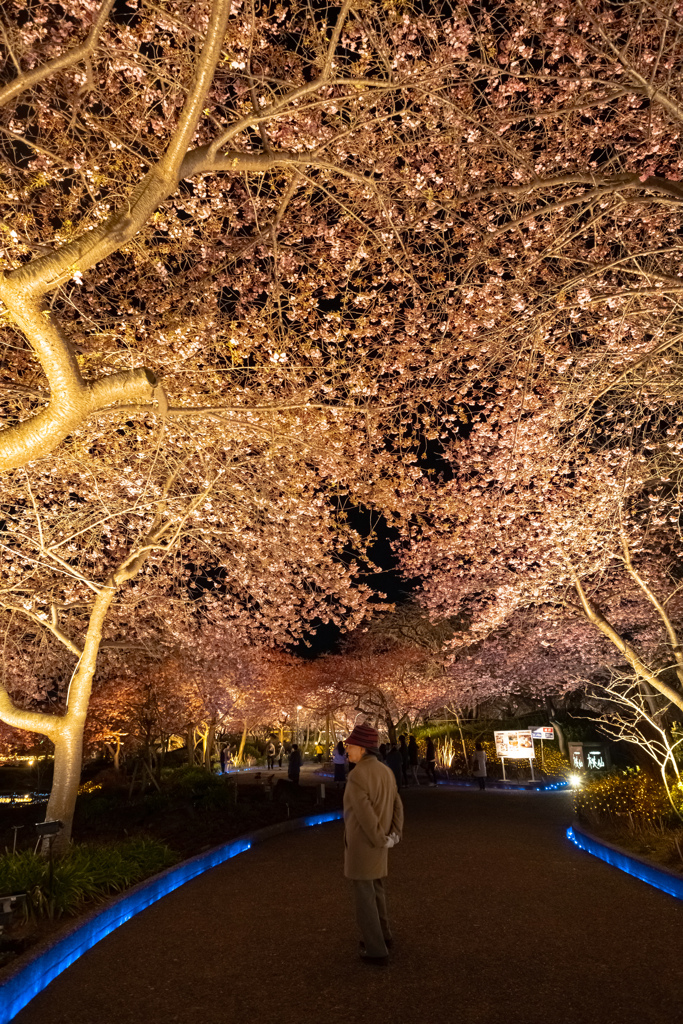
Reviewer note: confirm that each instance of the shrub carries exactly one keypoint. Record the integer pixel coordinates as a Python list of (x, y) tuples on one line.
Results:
[(628, 798), (203, 789), (86, 874)]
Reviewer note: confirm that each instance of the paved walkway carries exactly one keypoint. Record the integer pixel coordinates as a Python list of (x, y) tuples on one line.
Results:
[(498, 920)]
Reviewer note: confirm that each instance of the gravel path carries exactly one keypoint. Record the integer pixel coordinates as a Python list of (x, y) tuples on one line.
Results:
[(498, 920)]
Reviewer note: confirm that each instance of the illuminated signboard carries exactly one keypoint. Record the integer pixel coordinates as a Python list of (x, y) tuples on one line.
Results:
[(543, 732), (516, 743), (591, 756)]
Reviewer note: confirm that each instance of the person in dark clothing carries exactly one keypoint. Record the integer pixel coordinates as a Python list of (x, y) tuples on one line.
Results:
[(413, 758), (339, 760), (382, 751), (294, 763), (479, 765), (405, 758), (270, 754), (394, 762), (224, 759), (431, 761)]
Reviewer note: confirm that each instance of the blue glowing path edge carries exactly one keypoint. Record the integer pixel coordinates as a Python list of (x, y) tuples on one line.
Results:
[(17, 990), (660, 878)]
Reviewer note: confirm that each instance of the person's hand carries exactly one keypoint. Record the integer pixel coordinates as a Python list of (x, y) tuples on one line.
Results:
[(393, 839)]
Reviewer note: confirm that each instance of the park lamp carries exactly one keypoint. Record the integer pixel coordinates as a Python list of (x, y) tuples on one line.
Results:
[(574, 780)]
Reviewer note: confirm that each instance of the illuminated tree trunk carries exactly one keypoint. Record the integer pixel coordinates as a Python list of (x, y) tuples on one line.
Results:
[(243, 741), (208, 746), (115, 752), (67, 777)]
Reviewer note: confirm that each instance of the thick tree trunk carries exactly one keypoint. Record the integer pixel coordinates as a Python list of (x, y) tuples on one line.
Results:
[(66, 780), (189, 739), (208, 746), (391, 729), (561, 739), (243, 741)]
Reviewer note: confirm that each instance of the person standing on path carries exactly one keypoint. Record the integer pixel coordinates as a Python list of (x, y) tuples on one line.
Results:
[(394, 762), (294, 764), (373, 823), (223, 759), (339, 760), (280, 754), (270, 755), (413, 758), (405, 758), (431, 761), (479, 765)]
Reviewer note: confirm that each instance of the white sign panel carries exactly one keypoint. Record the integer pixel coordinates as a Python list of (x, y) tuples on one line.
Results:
[(543, 732), (517, 743)]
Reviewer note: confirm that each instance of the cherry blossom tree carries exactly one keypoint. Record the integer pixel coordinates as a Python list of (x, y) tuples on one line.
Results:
[(264, 267)]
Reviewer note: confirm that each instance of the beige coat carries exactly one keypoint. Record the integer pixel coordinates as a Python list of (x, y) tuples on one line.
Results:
[(372, 809)]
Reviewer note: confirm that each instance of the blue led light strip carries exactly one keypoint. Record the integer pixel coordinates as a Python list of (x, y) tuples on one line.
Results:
[(660, 878), (18, 989)]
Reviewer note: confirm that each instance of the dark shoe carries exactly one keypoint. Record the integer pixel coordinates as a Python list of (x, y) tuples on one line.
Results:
[(374, 961), (387, 942)]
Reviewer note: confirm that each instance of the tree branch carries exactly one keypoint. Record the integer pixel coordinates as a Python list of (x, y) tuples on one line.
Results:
[(26, 80), (46, 623), (652, 598), (49, 272), (607, 630)]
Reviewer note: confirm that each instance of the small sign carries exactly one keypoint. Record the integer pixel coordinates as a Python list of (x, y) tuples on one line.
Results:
[(543, 732), (517, 743), (590, 756)]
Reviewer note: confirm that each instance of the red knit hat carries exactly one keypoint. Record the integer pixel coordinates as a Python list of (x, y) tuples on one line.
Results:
[(364, 735)]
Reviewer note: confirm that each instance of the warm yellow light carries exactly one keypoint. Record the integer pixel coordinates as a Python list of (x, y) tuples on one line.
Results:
[(575, 780)]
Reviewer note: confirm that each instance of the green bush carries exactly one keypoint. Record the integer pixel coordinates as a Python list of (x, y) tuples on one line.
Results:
[(203, 789), (86, 874), (189, 780), (630, 799)]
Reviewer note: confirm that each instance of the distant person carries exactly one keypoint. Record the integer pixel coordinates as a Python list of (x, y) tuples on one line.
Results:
[(223, 757), (383, 751), (373, 823), (339, 760), (270, 755), (405, 758), (431, 761), (479, 765), (280, 754), (319, 753), (413, 758), (294, 764), (394, 763)]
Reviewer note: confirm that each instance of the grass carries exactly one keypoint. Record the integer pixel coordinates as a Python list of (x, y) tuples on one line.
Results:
[(85, 875)]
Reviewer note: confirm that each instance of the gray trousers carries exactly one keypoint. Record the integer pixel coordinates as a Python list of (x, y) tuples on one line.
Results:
[(370, 899)]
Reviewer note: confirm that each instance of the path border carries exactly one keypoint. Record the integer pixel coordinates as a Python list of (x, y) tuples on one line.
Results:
[(639, 867), (50, 958)]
